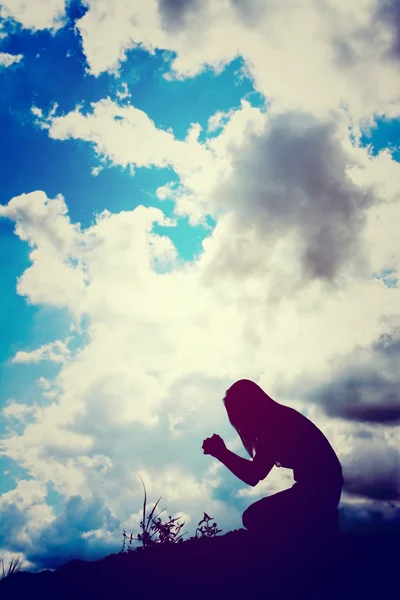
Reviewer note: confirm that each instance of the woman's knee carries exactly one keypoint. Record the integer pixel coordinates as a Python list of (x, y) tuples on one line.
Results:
[(249, 517), (246, 521), (254, 514)]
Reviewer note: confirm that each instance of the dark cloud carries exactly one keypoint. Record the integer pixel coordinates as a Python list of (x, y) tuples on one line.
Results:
[(362, 433), (175, 12), (378, 486), (344, 55), (388, 11), (378, 517), (361, 395), (250, 11), (292, 179), (389, 413), (348, 52), (388, 344), (372, 468), (365, 385)]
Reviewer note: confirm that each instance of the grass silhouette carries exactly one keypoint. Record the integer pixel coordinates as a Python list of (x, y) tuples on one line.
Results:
[(168, 532), (14, 567)]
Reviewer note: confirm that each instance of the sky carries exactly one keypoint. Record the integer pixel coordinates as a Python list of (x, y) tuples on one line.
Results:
[(192, 193)]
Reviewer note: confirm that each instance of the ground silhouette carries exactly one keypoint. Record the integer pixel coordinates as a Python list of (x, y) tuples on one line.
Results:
[(235, 565)]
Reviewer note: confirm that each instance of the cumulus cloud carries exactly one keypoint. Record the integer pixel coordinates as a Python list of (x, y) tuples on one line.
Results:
[(39, 221), (6, 60), (57, 351), (292, 179), (17, 410), (42, 225), (41, 14), (85, 527), (23, 513), (117, 134), (312, 56), (219, 119), (285, 180)]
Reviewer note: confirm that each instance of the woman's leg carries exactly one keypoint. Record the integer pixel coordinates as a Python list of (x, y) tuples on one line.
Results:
[(294, 532), (300, 509), (274, 513)]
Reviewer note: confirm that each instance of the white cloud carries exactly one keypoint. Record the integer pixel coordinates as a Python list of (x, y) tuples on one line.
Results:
[(23, 515), (85, 526), (6, 60), (37, 111), (126, 136), (42, 224), (57, 351), (379, 173), (44, 383), (96, 170), (124, 93), (219, 119), (17, 410), (313, 55), (37, 14)]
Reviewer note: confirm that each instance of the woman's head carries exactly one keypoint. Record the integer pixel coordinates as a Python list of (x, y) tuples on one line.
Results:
[(248, 408)]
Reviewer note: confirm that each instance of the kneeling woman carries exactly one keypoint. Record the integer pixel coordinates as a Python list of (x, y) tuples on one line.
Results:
[(274, 434)]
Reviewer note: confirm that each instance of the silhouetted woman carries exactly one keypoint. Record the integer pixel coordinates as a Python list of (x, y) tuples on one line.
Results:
[(274, 434)]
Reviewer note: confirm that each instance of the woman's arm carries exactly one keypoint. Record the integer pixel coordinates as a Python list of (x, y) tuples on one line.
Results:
[(241, 467), (249, 471)]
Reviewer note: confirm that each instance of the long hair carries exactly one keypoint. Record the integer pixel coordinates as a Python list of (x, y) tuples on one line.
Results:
[(249, 409)]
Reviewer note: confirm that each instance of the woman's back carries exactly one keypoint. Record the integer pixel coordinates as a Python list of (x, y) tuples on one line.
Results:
[(296, 443)]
